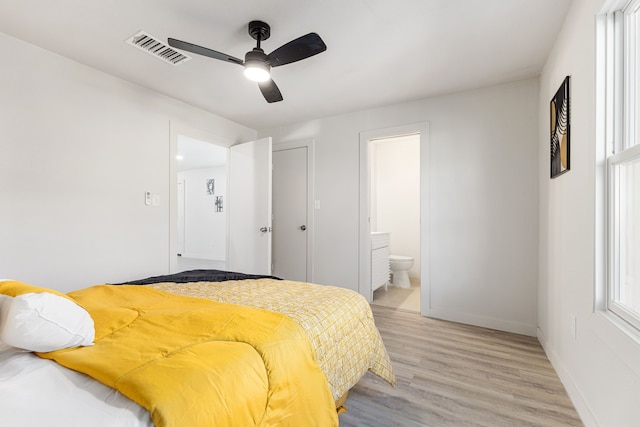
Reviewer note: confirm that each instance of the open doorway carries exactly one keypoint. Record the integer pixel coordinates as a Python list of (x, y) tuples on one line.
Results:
[(395, 213), (238, 197), (394, 203), (202, 192)]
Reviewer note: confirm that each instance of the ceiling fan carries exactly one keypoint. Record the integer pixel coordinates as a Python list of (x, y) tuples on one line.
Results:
[(257, 65)]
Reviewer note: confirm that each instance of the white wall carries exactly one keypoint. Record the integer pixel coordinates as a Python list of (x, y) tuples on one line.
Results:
[(601, 366), (395, 194), (78, 149), (483, 227), (205, 234)]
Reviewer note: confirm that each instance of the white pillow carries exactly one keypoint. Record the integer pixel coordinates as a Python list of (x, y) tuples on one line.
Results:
[(44, 322)]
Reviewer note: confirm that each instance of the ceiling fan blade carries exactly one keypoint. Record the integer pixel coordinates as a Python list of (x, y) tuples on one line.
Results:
[(296, 50), (270, 91), (190, 47)]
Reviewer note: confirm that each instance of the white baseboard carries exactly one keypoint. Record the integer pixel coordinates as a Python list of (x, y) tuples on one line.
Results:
[(197, 255), (484, 321), (586, 415)]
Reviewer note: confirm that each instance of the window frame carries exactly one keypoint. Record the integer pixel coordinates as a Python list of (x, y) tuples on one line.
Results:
[(613, 161), (622, 147)]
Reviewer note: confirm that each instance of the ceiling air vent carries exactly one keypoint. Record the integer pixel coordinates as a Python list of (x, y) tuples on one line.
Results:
[(153, 46)]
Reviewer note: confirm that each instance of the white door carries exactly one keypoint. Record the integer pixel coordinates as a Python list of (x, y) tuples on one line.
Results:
[(290, 228), (249, 207)]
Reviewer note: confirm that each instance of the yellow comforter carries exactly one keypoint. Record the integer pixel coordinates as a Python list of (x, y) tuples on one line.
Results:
[(338, 322), (194, 362)]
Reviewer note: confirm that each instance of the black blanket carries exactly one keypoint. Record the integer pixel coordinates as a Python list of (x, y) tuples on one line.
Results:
[(197, 276)]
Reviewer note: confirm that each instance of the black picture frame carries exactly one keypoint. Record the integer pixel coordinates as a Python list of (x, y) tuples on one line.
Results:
[(560, 127)]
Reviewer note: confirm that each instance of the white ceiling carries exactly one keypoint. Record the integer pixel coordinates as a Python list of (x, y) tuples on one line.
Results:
[(379, 52), (195, 154)]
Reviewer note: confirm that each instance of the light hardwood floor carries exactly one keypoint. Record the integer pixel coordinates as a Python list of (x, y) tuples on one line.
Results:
[(457, 375)]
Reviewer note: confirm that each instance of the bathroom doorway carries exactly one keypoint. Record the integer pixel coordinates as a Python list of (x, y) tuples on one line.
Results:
[(393, 200), (394, 207)]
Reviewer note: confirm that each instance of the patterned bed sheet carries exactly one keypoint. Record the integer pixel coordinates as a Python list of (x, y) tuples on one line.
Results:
[(338, 321)]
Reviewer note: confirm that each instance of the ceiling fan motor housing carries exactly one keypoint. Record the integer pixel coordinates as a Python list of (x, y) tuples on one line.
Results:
[(256, 55)]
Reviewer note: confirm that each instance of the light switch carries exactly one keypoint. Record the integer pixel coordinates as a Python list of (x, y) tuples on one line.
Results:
[(155, 200)]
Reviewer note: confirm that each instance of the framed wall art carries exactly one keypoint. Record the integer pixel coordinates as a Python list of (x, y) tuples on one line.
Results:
[(560, 130)]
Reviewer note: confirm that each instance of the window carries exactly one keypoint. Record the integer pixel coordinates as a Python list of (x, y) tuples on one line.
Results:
[(623, 163)]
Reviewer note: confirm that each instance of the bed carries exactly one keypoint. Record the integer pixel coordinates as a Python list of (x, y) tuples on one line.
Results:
[(208, 345)]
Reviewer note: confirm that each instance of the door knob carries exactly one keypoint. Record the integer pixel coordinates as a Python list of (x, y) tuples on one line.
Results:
[(264, 229), (303, 227)]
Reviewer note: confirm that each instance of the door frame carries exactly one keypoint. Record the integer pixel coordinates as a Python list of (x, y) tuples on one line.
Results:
[(364, 246), (180, 207), (310, 145)]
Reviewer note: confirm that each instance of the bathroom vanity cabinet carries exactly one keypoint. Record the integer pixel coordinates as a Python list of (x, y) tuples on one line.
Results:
[(380, 272)]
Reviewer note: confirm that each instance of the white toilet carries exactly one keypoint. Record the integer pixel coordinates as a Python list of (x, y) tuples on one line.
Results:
[(400, 266)]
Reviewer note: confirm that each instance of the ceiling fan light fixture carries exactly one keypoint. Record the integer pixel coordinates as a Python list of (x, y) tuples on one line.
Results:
[(256, 67), (257, 72)]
